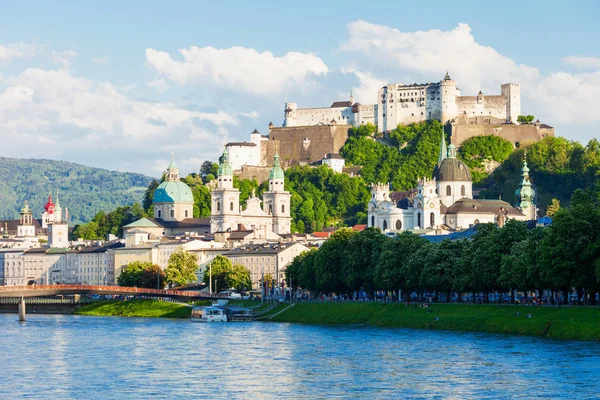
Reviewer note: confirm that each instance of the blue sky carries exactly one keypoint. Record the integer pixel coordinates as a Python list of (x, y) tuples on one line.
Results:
[(122, 84)]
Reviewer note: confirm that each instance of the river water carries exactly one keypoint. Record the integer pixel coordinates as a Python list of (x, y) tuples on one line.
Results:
[(80, 357)]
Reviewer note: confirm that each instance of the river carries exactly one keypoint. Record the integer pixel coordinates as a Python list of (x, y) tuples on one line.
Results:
[(65, 356)]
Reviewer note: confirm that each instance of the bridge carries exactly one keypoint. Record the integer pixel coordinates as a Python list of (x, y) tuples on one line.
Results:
[(57, 290)]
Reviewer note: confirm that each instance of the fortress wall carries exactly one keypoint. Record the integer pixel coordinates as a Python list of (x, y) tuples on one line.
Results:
[(260, 174), (492, 106), (522, 134), (306, 144)]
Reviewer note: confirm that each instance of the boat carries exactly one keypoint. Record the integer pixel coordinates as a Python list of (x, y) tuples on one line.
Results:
[(208, 314)]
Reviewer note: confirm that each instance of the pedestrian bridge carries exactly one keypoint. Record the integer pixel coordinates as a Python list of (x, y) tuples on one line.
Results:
[(57, 290)]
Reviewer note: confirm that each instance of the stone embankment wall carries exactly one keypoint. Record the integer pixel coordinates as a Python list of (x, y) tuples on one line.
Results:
[(516, 134)]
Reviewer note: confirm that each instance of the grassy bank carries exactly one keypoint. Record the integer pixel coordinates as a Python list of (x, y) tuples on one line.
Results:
[(136, 308), (574, 323)]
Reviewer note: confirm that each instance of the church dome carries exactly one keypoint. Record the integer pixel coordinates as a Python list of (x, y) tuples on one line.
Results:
[(451, 168), (173, 192)]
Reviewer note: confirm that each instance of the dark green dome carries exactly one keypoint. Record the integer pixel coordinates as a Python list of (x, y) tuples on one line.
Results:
[(452, 169)]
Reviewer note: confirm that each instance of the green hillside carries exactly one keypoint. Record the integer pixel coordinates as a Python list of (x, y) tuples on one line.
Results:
[(84, 190)]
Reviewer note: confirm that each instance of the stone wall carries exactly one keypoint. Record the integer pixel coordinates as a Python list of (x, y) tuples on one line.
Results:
[(301, 145), (516, 134), (260, 174)]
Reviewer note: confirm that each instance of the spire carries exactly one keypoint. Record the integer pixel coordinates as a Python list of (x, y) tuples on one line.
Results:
[(451, 151), (443, 150), (172, 172), (172, 163), (447, 77), (351, 97), (25, 209), (225, 167), (276, 171), (525, 193)]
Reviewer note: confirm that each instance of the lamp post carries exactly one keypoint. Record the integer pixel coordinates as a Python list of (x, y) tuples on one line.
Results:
[(158, 278), (262, 285), (210, 279)]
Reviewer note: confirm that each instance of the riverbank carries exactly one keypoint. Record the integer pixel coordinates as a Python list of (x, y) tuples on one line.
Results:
[(136, 308), (572, 323)]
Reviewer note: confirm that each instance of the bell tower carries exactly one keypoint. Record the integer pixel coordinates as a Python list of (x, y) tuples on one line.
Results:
[(526, 194), (225, 199), (26, 227), (276, 202)]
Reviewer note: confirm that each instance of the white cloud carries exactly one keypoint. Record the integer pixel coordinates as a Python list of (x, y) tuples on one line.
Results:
[(380, 52), (159, 84), (17, 50), (583, 62), (92, 122), (238, 68), (63, 58), (100, 60)]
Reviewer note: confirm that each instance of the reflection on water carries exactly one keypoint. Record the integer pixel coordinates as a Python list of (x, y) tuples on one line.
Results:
[(90, 357)]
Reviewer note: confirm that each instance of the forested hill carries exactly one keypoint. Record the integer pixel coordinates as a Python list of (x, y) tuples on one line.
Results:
[(84, 190)]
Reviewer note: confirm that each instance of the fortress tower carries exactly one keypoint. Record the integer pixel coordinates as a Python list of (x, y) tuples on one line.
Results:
[(512, 93), (290, 114), (448, 93)]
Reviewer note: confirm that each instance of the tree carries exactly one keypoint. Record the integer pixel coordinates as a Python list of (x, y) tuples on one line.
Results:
[(149, 195), (208, 168), (142, 274), (525, 119), (182, 267), (238, 278), (553, 207), (218, 270), (267, 281)]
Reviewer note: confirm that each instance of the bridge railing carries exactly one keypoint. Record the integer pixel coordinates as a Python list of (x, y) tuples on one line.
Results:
[(124, 290)]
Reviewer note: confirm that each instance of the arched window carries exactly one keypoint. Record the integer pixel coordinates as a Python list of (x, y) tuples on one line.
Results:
[(432, 219), (172, 213), (398, 225), (159, 213), (384, 225), (186, 214), (231, 206), (418, 220), (283, 208), (270, 209), (372, 221), (218, 206), (462, 190), (448, 190)]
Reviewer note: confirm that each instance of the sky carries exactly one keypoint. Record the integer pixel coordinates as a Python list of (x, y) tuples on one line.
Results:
[(122, 85)]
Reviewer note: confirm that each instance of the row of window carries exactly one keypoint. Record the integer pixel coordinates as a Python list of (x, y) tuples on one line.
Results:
[(172, 213)]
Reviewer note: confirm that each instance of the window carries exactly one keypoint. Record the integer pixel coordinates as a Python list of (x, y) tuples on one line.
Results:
[(432, 219), (231, 206), (398, 225), (462, 190), (418, 220), (186, 213), (283, 208), (384, 225), (372, 221), (448, 190), (270, 209), (159, 213), (172, 213), (218, 206)]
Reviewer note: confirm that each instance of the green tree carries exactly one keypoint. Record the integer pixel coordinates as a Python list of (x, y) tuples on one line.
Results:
[(141, 274), (238, 278), (553, 207), (149, 196), (525, 119), (182, 267), (218, 270)]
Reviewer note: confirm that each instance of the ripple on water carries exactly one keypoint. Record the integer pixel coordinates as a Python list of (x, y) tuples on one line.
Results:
[(90, 357)]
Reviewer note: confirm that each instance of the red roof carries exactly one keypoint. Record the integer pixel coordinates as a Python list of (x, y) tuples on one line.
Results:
[(324, 235), (49, 207), (360, 227)]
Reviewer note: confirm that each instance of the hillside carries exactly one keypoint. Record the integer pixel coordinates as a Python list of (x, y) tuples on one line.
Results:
[(84, 190)]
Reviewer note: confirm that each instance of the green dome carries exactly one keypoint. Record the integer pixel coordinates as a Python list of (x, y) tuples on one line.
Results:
[(224, 166), (276, 171), (173, 192), (26, 209)]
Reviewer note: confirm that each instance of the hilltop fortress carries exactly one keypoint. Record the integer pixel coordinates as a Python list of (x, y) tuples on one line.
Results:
[(309, 135), (399, 104)]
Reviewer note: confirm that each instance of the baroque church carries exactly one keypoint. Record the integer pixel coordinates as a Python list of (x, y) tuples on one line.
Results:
[(268, 221), (444, 203)]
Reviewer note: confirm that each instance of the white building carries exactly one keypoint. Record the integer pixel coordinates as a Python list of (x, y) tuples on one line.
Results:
[(266, 258), (399, 104), (342, 112), (246, 153), (442, 204), (12, 271), (270, 220), (166, 249), (334, 161)]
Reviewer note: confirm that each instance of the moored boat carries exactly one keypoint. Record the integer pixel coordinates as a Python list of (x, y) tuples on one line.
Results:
[(209, 314)]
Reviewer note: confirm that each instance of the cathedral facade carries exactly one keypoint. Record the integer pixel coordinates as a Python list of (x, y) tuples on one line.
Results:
[(444, 203), (268, 217)]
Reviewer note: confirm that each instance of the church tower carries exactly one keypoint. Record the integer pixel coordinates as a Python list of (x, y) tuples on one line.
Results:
[(57, 211), (225, 199), (26, 227), (427, 205), (48, 214), (526, 194), (276, 201)]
